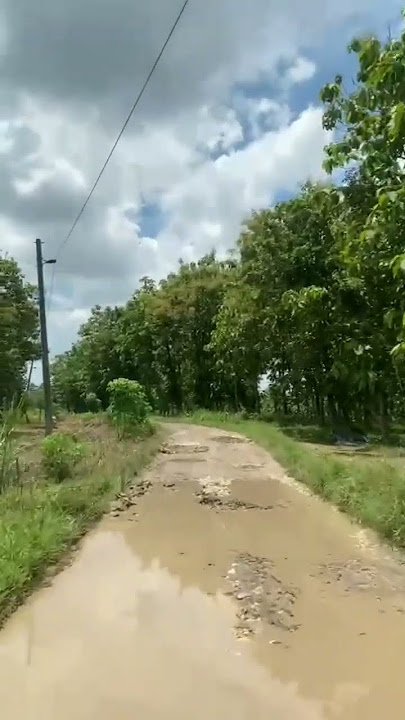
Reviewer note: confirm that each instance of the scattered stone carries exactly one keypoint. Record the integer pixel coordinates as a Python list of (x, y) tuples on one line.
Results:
[(250, 466), (234, 504), (352, 575), (212, 489), (187, 459), (188, 448), (231, 440), (142, 487), (126, 500), (261, 596)]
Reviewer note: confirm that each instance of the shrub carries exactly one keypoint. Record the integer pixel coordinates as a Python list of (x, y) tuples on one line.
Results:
[(129, 408), (60, 454), (93, 403)]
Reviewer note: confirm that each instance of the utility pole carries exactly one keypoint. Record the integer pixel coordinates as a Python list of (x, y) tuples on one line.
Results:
[(46, 376)]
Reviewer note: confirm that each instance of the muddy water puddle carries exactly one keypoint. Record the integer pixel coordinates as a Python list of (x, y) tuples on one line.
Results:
[(176, 608)]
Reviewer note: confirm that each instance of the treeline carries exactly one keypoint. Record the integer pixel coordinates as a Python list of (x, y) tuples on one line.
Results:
[(313, 300), (18, 330)]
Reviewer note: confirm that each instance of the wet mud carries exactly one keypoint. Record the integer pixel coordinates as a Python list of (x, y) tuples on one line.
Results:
[(214, 588)]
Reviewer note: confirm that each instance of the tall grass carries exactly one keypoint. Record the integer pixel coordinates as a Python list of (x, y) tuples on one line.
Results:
[(8, 450)]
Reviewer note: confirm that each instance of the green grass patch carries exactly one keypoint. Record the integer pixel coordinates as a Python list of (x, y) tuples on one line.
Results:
[(372, 492), (41, 520), (60, 454)]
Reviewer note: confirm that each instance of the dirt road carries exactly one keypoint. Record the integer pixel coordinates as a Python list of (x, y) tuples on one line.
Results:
[(217, 589)]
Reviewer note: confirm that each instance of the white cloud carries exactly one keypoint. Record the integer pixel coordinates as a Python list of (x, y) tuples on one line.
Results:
[(220, 194), (302, 70), (218, 129), (64, 95), (60, 171), (263, 113)]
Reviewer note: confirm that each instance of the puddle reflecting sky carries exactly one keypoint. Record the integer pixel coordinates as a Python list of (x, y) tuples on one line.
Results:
[(114, 639)]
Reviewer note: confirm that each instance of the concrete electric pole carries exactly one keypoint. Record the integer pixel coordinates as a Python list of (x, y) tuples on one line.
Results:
[(46, 376)]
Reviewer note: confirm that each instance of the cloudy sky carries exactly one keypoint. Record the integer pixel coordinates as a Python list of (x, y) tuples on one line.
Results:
[(230, 122)]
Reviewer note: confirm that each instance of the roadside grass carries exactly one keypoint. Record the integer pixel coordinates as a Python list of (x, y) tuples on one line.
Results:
[(371, 490), (311, 432), (41, 520)]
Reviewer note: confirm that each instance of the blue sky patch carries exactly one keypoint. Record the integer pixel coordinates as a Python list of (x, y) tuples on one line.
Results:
[(151, 219)]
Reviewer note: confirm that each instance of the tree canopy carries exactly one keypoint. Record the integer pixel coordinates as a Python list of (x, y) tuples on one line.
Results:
[(18, 329), (313, 299)]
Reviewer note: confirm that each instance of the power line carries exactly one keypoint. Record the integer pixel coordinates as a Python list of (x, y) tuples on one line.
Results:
[(144, 86), (139, 97)]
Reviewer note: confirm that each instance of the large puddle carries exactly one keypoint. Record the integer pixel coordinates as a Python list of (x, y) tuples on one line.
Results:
[(264, 604), (115, 638)]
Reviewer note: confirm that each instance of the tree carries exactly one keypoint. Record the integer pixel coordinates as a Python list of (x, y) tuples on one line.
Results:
[(98, 343), (183, 313), (68, 373), (314, 298), (18, 329), (371, 122), (159, 339)]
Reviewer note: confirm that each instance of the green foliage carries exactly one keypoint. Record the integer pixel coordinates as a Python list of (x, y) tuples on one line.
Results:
[(33, 400), (160, 339), (93, 403), (372, 123), (68, 380), (8, 450), (40, 521), (60, 455), (129, 408), (18, 329), (314, 299)]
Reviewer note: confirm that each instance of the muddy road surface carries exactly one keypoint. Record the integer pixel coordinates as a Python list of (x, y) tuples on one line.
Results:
[(218, 588)]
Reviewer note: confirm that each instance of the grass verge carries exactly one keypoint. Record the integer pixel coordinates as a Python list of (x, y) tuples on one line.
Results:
[(41, 520), (373, 493)]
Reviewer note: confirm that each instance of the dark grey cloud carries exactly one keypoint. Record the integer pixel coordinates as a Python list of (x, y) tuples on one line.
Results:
[(84, 51)]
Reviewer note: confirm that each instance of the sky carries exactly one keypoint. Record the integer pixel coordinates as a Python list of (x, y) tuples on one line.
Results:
[(230, 122)]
